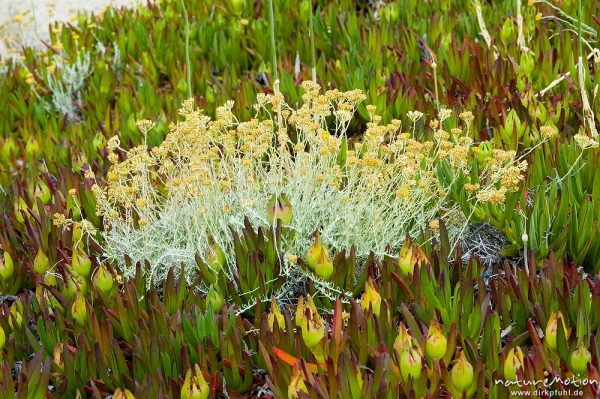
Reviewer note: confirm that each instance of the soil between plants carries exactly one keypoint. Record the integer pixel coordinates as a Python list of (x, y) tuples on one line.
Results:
[(27, 22)]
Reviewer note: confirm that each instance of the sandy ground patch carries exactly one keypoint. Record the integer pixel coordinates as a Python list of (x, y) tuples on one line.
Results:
[(26, 22)]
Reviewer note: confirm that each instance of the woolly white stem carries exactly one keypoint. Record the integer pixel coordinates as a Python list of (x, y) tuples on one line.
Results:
[(521, 36)]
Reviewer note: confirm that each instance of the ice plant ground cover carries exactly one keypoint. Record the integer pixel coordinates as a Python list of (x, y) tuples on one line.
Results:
[(359, 200)]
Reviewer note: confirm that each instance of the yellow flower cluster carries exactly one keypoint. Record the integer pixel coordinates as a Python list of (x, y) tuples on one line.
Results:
[(548, 132), (494, 196), (585, 142)]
